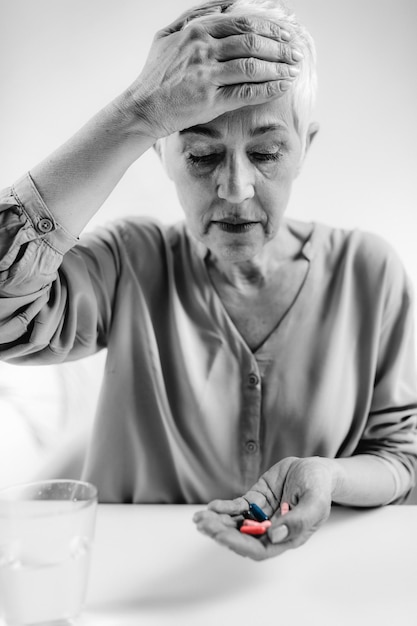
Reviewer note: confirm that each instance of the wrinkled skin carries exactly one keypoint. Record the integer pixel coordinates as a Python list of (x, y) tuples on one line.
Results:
[(225, 62)]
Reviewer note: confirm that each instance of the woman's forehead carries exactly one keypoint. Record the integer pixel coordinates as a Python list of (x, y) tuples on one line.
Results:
[(249, 121)]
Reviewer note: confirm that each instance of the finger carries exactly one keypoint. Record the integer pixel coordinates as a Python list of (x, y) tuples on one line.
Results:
[(296, 530), (212, 524), (223, 5), (297, 526), (226, 533), (256, 46), (280, 531), (191, 14), (252, 70), (254, 548), (221, 26), (244, 545), (267, 492), (229, 507), (209, 519)]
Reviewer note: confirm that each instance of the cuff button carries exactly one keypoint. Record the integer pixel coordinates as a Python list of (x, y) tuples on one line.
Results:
[(45, 225)]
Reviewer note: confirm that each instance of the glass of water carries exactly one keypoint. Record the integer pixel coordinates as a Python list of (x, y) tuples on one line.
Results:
[(46, 536)]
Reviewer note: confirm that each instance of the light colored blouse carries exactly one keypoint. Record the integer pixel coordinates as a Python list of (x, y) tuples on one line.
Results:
[(187, 411)]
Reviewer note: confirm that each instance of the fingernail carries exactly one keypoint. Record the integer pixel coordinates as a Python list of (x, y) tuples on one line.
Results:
[(277, 535), (293, 70), (297, 55), (284, 85), (284, 35)]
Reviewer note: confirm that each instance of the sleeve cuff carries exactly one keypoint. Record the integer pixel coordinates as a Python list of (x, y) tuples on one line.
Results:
[(401, 482), (31, 203)]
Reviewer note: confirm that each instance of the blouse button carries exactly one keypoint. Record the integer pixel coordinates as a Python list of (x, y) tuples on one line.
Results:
[(45, 225), (251, 447), (253, 380)]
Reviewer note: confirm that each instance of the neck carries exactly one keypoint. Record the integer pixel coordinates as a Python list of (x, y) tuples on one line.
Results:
[(258, 271)]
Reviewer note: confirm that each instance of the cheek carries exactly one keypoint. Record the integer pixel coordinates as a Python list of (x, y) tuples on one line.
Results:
[(272, 188), (195, 197), (272, 195)]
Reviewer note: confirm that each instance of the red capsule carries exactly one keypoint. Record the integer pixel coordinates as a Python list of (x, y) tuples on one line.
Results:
[(253, 530), (251, 527), (250, 522)]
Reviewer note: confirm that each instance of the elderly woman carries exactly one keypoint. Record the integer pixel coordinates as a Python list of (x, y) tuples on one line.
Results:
[(250, 357)]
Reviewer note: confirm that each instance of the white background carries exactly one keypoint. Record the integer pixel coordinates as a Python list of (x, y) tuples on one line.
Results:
[(62, 60)]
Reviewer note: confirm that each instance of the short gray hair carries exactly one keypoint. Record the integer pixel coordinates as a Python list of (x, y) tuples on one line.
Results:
[(303, 92)]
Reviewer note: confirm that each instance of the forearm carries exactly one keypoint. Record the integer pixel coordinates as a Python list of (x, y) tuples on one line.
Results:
[(187, 80), (365, 480), (76, 179)]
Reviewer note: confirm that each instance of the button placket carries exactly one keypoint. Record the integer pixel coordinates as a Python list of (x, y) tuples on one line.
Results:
[(251, 446), (251, 418), (253, 379)]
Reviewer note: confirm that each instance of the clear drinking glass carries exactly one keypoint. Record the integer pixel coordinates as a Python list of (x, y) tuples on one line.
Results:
[(46, 536)]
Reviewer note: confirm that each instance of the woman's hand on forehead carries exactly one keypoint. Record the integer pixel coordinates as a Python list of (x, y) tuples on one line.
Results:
[(199, 69)]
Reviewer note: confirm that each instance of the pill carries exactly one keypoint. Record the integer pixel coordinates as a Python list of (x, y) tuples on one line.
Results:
[(285, 507), (250, 515), (250, 522), (253, 530), (257, 513)]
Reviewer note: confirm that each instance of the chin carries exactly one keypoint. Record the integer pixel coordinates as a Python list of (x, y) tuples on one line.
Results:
[(235, 253)]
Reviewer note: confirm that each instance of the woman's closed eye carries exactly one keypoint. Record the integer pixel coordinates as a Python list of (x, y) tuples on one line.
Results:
[(205, 159), (266, 156), (213, 158)]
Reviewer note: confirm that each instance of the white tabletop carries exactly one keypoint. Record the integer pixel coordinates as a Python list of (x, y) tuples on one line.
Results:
[(151, 566)]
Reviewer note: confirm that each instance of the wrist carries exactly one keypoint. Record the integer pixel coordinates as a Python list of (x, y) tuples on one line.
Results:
[(136, 115), (337, 477)]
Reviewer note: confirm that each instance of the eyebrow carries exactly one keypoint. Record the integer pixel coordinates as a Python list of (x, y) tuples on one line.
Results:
[(261, 130), (201, 130), (206, 131)]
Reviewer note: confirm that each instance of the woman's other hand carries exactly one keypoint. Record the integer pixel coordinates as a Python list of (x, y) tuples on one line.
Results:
[(305, 484), (194, 74)]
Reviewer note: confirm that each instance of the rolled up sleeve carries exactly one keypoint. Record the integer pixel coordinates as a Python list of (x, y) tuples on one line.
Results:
[(32, 244), (53, 290)]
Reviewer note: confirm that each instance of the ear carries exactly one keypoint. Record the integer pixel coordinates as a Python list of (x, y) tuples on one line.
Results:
[(312, 131), (157, 147)]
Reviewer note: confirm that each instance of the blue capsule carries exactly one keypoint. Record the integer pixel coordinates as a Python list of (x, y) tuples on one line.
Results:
[(255, 512)]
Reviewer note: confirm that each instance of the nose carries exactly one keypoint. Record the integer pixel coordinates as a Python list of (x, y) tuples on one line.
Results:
[(235, 182)]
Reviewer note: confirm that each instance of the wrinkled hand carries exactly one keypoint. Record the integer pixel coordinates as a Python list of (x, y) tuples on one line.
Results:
[(194, 74), (305, 484)]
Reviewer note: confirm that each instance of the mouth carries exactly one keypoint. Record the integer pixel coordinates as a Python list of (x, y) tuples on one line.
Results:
[(235, 226)]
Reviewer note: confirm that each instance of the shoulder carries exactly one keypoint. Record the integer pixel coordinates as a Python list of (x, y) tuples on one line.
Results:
[(140, 246), (337, 244), (137, 235), (146, 230), (366, 258), (359, 248)]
